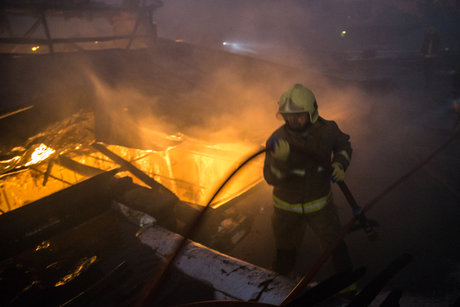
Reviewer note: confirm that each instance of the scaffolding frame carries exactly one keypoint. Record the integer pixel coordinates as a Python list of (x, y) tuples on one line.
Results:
[(43, 11)]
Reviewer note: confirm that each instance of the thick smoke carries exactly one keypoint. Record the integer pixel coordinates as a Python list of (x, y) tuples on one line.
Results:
[(368, 80), (228, 93), (231, 97)]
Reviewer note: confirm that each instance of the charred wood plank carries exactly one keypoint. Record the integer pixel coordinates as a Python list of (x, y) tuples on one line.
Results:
[(328, 288), (79, 168), (29, 225), (130, 167), (45, 175), (373, 288)]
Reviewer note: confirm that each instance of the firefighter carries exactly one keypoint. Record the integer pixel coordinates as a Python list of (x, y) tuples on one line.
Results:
[(302, 187)]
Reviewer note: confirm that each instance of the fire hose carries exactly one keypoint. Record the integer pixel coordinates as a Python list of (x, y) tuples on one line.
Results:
[(152, 287), (357, 211), (301, 286), (149, 292)]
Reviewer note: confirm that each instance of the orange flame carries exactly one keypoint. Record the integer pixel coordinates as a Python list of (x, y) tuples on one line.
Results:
[(40, 153), (84, 264)]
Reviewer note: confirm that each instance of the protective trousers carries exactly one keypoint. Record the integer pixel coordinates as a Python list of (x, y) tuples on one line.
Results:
[(289, 229)]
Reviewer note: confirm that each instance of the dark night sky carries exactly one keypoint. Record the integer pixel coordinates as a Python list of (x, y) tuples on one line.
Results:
[(265, 20), (310, 26)]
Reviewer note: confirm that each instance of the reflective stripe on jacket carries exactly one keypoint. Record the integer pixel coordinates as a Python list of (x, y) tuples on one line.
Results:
[(324, 140), (309, 207)]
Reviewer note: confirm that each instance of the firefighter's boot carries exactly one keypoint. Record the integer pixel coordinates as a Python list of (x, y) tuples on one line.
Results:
[(284, 261)]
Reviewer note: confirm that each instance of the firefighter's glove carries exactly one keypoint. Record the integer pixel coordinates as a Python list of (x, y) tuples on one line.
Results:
[(338, 173), (281, 150)]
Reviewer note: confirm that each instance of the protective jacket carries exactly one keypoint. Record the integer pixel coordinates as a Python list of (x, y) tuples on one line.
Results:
[(301, 180)]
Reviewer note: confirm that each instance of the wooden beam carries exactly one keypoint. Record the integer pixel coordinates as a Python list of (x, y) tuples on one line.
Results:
[(47, 31), (136, 25), (23, 40), (32, 28), (128, 166), (78, 8)]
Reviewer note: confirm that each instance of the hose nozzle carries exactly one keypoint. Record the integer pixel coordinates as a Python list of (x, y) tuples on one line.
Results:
[(366, 224)]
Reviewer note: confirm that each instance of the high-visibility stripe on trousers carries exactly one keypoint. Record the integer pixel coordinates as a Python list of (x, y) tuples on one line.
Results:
[(309, 207)]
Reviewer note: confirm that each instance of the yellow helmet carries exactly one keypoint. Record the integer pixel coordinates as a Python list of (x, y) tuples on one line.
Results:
[(299, 99)]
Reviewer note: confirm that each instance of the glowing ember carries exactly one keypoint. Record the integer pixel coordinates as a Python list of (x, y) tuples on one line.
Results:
[(83, 266), (42, 245), (35, 48), (41, 153), (5, 163)]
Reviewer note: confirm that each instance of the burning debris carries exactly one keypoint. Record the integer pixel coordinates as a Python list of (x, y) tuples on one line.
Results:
[(65, 198), (61, 156)]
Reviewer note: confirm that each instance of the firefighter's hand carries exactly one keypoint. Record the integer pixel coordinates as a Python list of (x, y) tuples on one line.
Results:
[(281, 150), (338, 173)]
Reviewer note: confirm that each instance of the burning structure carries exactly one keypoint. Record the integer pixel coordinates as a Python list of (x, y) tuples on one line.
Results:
[(92, 179), (62, 155), (59, 181)]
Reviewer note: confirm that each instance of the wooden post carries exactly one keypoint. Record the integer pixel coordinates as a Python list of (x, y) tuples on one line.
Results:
[(136, 25), (47, 31)]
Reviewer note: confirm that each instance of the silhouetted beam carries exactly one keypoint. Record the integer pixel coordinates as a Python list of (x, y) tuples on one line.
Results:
[(367, 295), (136, 26), (43, 41), (2, 116), (32, 28), (78, 8), (48, 171), (392, 300), (134, 170), (328, 288), (125, 164), (77, 167), (47, 31), (87, 295), (50, 176)]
